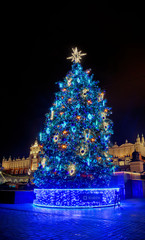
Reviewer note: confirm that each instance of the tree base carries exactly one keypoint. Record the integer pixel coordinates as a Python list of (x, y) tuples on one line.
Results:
[(77, 198)]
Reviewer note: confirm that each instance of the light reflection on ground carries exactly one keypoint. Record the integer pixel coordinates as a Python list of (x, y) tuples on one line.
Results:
[(25, 221)]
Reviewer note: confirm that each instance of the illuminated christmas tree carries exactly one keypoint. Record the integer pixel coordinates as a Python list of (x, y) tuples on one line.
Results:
[(76, 134)]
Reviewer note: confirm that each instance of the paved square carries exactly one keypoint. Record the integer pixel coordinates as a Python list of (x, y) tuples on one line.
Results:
[(25, 221)]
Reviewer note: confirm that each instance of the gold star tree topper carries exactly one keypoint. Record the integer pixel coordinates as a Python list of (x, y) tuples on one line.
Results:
[(76, 55)]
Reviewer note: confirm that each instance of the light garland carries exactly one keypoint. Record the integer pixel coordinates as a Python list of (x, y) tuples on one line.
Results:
[(77, 129), (73, 198)]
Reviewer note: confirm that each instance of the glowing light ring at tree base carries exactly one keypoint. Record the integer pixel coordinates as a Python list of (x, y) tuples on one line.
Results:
[(76, 198)]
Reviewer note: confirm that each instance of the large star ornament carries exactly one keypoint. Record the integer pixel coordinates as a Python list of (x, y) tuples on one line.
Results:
[(76, 55)]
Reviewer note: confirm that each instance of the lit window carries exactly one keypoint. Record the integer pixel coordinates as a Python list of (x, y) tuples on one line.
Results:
[(121, 163)]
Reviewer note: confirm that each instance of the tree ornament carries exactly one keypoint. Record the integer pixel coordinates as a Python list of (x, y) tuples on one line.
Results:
[(56, 137), (72, 169), (105, 124), (76, 55), (90, 116), (73, 128), (83, 151), (69, 80), (42, 136), (103, 115), (101, 97), (84, 93), (52, 114), (78, 80), (48, 130), (99, 160), (88, 161), (43, 161), (87, 133)]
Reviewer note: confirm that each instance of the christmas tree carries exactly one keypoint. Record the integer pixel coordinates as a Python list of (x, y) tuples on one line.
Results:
[(76, 134)]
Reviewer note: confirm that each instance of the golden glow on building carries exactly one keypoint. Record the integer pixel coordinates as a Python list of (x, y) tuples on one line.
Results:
[(122, 155), (22, 165)]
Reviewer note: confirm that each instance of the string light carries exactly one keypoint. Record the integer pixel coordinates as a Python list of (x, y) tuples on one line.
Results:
[(64, 89), (78, 117), (65, 132), (88, 71), (61, 113), (76, 198), (64, 146), (69, 100), (89, 102), (101, 96), (93, 139), (77, 130)]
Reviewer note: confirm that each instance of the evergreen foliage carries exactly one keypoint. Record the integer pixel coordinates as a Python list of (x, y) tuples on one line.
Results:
[(76, 135)]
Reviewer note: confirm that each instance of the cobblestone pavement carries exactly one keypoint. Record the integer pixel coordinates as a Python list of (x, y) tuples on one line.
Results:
[(25, 221)]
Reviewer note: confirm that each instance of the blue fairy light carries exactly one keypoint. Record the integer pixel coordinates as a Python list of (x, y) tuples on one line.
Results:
[(75, 198), (90, 116), (40, 136), (64, 124), (58, 158), (60, 84), (73, 129), (48, 130), (88, 161), (66, 140), (78, 80), (78, 106)]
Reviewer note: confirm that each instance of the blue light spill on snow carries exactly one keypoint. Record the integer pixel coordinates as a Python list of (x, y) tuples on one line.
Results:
[(76, 198)]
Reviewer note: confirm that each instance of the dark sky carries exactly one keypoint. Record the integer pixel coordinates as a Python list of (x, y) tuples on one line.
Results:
[(34, 50)]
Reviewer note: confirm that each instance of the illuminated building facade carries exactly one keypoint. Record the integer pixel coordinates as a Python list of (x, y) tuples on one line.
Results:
[(21, 166), (122, 155)]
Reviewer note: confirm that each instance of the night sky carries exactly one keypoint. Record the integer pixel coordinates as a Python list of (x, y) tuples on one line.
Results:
[(34, 50)]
